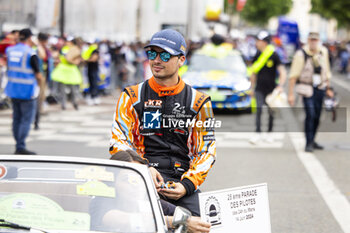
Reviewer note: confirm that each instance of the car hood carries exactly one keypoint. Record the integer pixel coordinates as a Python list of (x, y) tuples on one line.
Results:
[(214, 78)]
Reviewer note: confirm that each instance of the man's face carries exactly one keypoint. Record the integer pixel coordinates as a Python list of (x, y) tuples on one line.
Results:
[(260, 45), (44, 42), (313, 43), (164, 70)]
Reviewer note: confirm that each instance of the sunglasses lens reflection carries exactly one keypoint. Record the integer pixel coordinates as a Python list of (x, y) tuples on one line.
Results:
[(164, 56)]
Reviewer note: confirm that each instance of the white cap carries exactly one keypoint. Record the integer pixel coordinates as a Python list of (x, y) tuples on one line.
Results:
[(264, 35)]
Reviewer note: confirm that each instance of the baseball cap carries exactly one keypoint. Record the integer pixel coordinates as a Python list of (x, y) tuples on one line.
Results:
[(314, 35), (169, 40), (70, 38), (25, 33), (264, 35)]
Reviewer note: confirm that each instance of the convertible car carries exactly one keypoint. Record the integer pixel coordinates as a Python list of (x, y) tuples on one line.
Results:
[(65, 194)]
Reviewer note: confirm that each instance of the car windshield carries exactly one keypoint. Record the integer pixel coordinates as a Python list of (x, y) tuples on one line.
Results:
[(203, 63), (74, 197)]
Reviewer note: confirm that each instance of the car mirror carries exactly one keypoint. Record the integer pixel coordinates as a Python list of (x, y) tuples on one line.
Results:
[(180, 218)]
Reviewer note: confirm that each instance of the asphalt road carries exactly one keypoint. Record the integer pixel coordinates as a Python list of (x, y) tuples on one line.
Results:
[(308, 192)]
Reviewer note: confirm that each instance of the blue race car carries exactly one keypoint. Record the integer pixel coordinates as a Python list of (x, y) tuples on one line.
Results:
[(220, 72)]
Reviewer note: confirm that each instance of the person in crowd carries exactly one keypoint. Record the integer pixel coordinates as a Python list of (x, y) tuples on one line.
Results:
[(140, 58), (91, 57), (67, 73), (268, 73), (310, 75), (44, 56), (10, 39), (119, 72), (24, 81), (344, 57)]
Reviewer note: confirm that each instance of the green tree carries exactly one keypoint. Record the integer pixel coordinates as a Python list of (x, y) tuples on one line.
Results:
[(338, 9), (260, 11)]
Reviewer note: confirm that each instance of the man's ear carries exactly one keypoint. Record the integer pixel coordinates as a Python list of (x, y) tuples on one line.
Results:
[(182, 60)]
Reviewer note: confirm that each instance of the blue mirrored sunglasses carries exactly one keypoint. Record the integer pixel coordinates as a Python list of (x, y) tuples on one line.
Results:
[(164, 56)]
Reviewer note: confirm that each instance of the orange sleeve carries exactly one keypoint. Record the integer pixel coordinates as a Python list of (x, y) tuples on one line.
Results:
[(125, 127), (202, 147)]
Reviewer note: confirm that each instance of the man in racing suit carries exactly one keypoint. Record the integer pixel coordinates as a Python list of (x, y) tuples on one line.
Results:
[(168, 123)]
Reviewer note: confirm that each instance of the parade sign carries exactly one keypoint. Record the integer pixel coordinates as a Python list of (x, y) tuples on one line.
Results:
[(242, 209)]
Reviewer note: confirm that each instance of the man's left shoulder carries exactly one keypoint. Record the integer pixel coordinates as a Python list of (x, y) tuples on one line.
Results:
[(275, 55), (200, 93), (276, 58), (199, 99)]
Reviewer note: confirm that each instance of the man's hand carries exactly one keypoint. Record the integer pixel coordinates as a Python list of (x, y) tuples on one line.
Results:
[(176, 193), (329, 93), (196, 225), (157, 178), (40, 79), (291, 99), (279, 88), (251, 92)]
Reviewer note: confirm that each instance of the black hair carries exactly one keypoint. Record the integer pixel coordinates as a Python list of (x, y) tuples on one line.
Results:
[(129, 156), (217, 39), (24, 34), (77, 41), (43, 36)]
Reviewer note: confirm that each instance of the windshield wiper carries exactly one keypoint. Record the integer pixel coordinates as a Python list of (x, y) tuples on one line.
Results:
[(4, 223)]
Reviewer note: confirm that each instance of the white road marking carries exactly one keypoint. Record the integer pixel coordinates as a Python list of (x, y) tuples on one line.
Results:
[(6, 121), (55, 126), (67, 118), (341, 83), (66, 126), (71, 138), (86, 130), (41, 132), (100, 123), (101, 143), (7, 140), (335, 200), (248, 145), (6, 112), (241, 140), (5, 129), (94, 110), (111, 101), (246, 135)]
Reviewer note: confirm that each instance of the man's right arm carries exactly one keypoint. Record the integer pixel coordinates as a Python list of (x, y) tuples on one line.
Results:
[(252, 84), (295, 71), (253, 76), (125, 122), (126, 135), (34, 63), (94, 56), (291, 85)]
